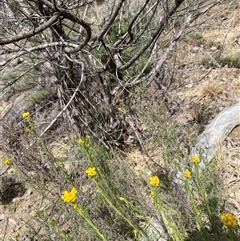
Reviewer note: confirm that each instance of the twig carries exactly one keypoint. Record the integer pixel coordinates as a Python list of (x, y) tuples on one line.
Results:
[(170, 48), (154, 35), (4, 170), (31, 33), (110, 22), (66, 106)]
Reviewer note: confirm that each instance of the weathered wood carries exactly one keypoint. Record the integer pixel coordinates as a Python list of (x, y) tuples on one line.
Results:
[(216, 132), (211, 139)]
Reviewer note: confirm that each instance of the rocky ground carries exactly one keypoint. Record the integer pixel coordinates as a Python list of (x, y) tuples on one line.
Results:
[(206, 87)]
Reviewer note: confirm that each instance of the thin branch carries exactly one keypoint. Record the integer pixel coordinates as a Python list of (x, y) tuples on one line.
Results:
[(110, 22), (68, 15), (170, 47), (85, 25), (154, 36), (31, 33), (135, 18), (59, 12), (39, 47), (66, 106)]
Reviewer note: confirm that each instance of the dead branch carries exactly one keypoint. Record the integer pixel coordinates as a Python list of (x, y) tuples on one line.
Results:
[(50, 22), (110, 21), (154, 35)]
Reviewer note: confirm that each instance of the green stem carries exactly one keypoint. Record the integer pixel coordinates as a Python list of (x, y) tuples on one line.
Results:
[(199, 220), (162, 210), (135, 228), (89, 221), (88, 155), (201, 189), (230, 234)]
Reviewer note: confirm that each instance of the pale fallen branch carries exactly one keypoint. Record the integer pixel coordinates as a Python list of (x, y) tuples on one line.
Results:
[(211, 139), (216, 132)]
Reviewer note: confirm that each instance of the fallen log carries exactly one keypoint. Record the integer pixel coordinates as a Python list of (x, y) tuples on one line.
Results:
[(216, 132)]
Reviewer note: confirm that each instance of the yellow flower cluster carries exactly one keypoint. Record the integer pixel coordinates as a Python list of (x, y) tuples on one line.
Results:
[(195, 159), (187, 174), (91, 171), (80, 141), (25, 115), (85, 142), (70, 197), (229, 220), (7, 161), (154, 181)]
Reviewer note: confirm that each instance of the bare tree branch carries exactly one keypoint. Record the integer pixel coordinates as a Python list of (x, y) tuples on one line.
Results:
[(110, 21), (154, 35), (135, 18), (68, 103), (86, 26), (169, 49), (31, 33), (122, 40)]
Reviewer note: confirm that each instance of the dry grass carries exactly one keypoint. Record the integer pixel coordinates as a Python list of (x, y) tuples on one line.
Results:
[(209, 91)]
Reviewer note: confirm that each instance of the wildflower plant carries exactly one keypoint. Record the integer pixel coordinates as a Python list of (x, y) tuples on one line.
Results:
[(170, 226), (80, 141), (7, 161), (154, 181), (25, 115), (187, 173), (205, 211), (91, 171), (195, 159), (229, 220), (71, 198), (102, 178), (102, 196)]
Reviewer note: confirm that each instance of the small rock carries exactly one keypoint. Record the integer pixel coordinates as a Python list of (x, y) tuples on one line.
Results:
[(29, 192), (2, 216), (214, 48)]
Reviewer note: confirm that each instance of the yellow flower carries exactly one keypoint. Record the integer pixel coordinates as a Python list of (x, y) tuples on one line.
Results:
[(154, 181), (80, 141), (91, 171), (70, 197), (7, 161), (121, 198), (27, 130), (187, 174), (153, 193), (25, 115), (229, 220), (195, 159)]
